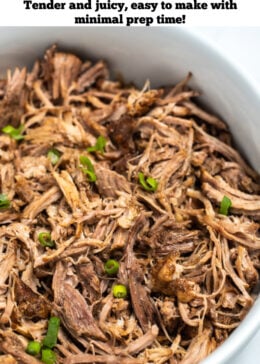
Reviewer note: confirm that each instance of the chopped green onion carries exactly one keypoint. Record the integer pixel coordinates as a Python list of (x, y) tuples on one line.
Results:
[(89, 171), (48, 356), (111, 267), (225, 205), (50, 339), (4, 202), (14, 133), (45, 240), (33, 348), (119, 291), (149, 184), (99, 146), (54, 156)]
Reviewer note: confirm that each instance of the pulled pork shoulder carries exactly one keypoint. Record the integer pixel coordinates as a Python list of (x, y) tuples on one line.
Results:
[(148, 197)]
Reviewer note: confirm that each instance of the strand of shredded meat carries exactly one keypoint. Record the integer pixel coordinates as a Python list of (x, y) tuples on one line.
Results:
[(191, 272)]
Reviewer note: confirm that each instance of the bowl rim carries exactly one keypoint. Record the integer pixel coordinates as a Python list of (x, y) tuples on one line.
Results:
[(205, 41)]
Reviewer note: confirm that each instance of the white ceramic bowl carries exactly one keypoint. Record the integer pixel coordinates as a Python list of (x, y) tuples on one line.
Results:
[(164, 56)]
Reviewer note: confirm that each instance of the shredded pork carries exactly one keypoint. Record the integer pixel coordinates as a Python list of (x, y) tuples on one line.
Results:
[(191, 273)]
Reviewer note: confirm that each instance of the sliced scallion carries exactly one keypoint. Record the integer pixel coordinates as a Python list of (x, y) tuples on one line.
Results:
[(149, 184), (50, 339), (119, 291), (15, 133), (225, 206), (88, 168), (48, 356), (111, 267), (45, 239), (99, 146), (54, 156), (33, 348), (4, 202)]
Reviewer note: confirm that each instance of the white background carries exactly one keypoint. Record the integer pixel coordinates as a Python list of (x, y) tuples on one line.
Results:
[(13, 12)]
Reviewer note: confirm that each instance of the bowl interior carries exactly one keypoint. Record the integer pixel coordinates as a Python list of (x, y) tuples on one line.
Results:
[(164, 56)]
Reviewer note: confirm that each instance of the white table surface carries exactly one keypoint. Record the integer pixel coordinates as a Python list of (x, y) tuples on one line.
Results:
[(242, 45)]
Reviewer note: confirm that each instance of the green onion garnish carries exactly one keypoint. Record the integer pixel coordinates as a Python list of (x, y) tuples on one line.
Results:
[(54, 156), (149, 184), (4, 202), (33, 348), (111, 267), (50, 339), (88, 168), (48, 356), (99, 146), (225, 206), (14, 133), (45, 240), (119, 291)]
